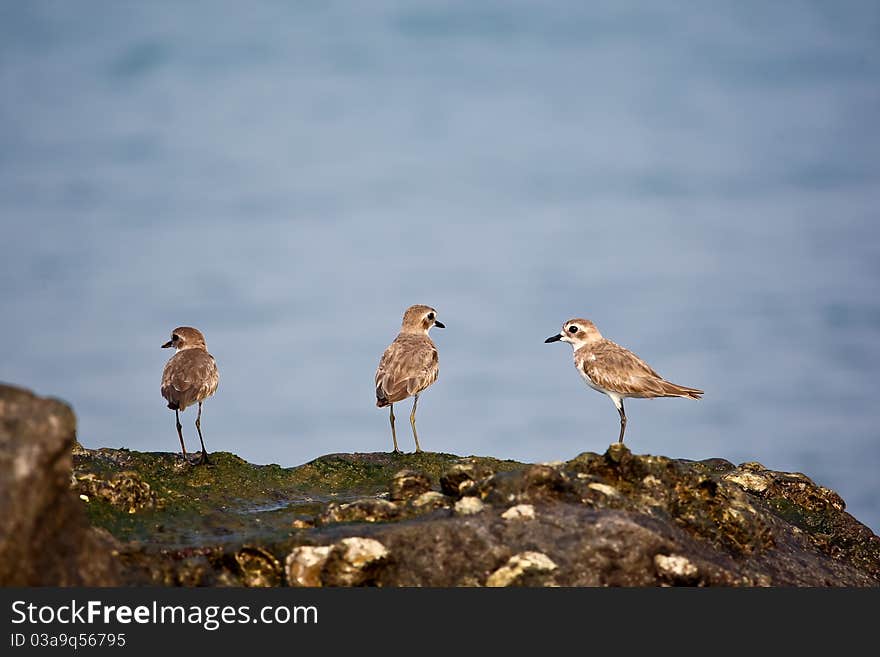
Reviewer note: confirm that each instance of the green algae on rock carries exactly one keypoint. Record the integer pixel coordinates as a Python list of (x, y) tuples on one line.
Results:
[(233, 500)]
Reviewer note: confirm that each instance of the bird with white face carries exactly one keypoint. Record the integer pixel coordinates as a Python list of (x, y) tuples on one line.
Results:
[(190, 376), (409, 365), (614, 370)]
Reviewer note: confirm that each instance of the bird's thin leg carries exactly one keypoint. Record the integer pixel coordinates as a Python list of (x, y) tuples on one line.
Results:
[(412, 421), (622, 421), (393, 432), (180, 432), (204, 458)]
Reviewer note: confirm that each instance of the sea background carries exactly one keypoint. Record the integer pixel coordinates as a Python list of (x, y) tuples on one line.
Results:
[(702, 180)]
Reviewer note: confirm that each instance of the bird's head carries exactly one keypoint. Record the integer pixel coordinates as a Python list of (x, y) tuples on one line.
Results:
[(186, 337), (420, 319), (577, 332)]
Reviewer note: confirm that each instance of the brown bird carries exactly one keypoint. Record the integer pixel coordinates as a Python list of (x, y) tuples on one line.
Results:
[(614, 370), (190, 376), (409, 365)]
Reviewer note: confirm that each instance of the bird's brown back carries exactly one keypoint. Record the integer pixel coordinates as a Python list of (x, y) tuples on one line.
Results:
[(190, 376), (409, 365)]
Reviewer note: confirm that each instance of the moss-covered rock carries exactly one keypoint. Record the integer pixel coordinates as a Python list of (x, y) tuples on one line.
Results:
[(157, 498), (426, 519), (601, 519)]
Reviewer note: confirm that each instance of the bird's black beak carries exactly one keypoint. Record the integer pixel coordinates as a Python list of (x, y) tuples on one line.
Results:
[(439, 324), (167, 344), (554, 338)]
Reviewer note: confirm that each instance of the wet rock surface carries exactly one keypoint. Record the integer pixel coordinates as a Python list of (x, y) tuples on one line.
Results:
[(427, 519), (366, 510)]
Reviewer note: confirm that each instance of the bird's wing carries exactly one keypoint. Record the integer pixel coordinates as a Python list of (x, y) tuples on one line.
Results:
[(406, 368), (189, 376), (618, 369)]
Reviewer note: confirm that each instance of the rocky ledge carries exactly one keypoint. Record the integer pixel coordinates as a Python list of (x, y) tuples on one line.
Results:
[(113, 516)]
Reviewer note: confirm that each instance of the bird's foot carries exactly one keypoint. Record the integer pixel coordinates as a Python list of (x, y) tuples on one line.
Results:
[(396, 451), (419, 450), (201, 459)]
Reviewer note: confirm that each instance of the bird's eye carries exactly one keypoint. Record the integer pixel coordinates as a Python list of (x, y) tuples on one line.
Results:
[(431, 316), (175, 337), (572, 329)]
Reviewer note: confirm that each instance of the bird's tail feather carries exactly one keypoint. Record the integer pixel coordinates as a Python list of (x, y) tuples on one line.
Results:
[(673, 390)]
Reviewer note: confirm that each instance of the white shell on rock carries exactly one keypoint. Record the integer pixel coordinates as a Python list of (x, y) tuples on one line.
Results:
[(469, 505), (520, 512), (303, 565), (362, 551), (749, 481), (518, 565), (610, 491), (676, 566)]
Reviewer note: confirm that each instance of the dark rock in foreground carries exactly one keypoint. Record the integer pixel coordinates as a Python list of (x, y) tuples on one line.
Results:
[(428, 519), (45, 538)]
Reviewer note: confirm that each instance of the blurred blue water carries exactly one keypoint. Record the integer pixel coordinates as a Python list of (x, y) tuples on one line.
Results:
[(700, 179)]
